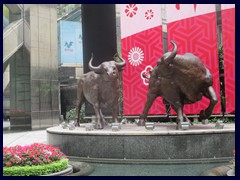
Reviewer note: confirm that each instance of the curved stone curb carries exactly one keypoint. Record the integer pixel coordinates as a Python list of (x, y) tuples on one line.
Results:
[(81, 169), (217, 171), (231, 172), (162, 129), (64, 172), (149, 161)]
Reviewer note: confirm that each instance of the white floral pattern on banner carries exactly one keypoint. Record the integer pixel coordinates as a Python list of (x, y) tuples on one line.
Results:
[(134, 18), (145, 75), (131, 10), (149, 14), (135, 56)]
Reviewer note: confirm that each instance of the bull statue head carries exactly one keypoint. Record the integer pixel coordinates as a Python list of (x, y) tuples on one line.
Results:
[(109, 69)]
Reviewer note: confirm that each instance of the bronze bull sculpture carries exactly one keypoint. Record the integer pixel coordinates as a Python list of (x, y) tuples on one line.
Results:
[(180, 79), (100, 87)]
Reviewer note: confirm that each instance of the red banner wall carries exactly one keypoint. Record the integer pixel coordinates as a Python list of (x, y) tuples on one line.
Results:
[(135, 88), (141, 33), (228, 37), (193, 28)]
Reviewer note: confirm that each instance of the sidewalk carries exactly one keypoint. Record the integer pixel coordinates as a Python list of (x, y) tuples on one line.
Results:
[(6, 125), (23, 137)]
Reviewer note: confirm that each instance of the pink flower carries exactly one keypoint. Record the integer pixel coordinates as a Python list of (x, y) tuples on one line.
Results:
[(131, 10), (8, 164), (33, 154)]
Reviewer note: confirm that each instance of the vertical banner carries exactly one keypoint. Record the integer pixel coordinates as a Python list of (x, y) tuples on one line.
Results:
[(193, 28), (228, 37), (71, 50), (142, 46)]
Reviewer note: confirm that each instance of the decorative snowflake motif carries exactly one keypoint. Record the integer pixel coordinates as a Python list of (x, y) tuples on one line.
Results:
[(146, 73), (194, 6), (177, 6), (131, 10), (135, 56), (149, 14)]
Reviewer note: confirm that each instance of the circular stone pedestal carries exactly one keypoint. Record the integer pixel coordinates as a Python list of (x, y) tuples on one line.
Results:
[(137, 143)]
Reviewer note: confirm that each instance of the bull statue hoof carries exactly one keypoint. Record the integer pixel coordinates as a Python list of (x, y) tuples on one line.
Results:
[(140, 122), (190, 122), (98, 126), (76, 123), (105, 122), (202, 115), (178, 127)]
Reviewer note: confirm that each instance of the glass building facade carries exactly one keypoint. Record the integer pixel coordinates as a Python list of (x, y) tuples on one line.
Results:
[(30, 50)]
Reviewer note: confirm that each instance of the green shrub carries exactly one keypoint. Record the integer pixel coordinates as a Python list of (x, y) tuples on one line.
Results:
[(44, 169), (5, 11), (213, 120), (70, 115), (224, 119)]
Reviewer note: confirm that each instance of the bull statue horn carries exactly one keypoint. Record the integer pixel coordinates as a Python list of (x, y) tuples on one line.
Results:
[(170, 58), (120, 64), (96, 69)]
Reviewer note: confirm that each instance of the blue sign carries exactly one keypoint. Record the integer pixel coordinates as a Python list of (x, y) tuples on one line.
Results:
[(70, 42)]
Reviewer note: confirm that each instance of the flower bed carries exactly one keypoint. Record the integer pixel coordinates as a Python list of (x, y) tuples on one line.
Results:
[(32, 160)]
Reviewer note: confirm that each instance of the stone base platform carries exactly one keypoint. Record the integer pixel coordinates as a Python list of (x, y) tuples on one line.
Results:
[(136, 143)]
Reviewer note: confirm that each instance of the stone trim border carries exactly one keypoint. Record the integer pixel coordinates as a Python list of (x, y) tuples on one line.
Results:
[(64, 172)]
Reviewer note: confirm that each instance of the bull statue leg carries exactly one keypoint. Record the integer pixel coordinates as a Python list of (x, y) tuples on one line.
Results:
[(185, 118), (178, 107), (102, 117), (99, 123), (150, 99), (115, 111), (210, 94), (179, 117), (80, 101)]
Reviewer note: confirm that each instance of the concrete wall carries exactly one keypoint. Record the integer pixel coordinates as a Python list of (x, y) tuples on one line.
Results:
[(44, 66)]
